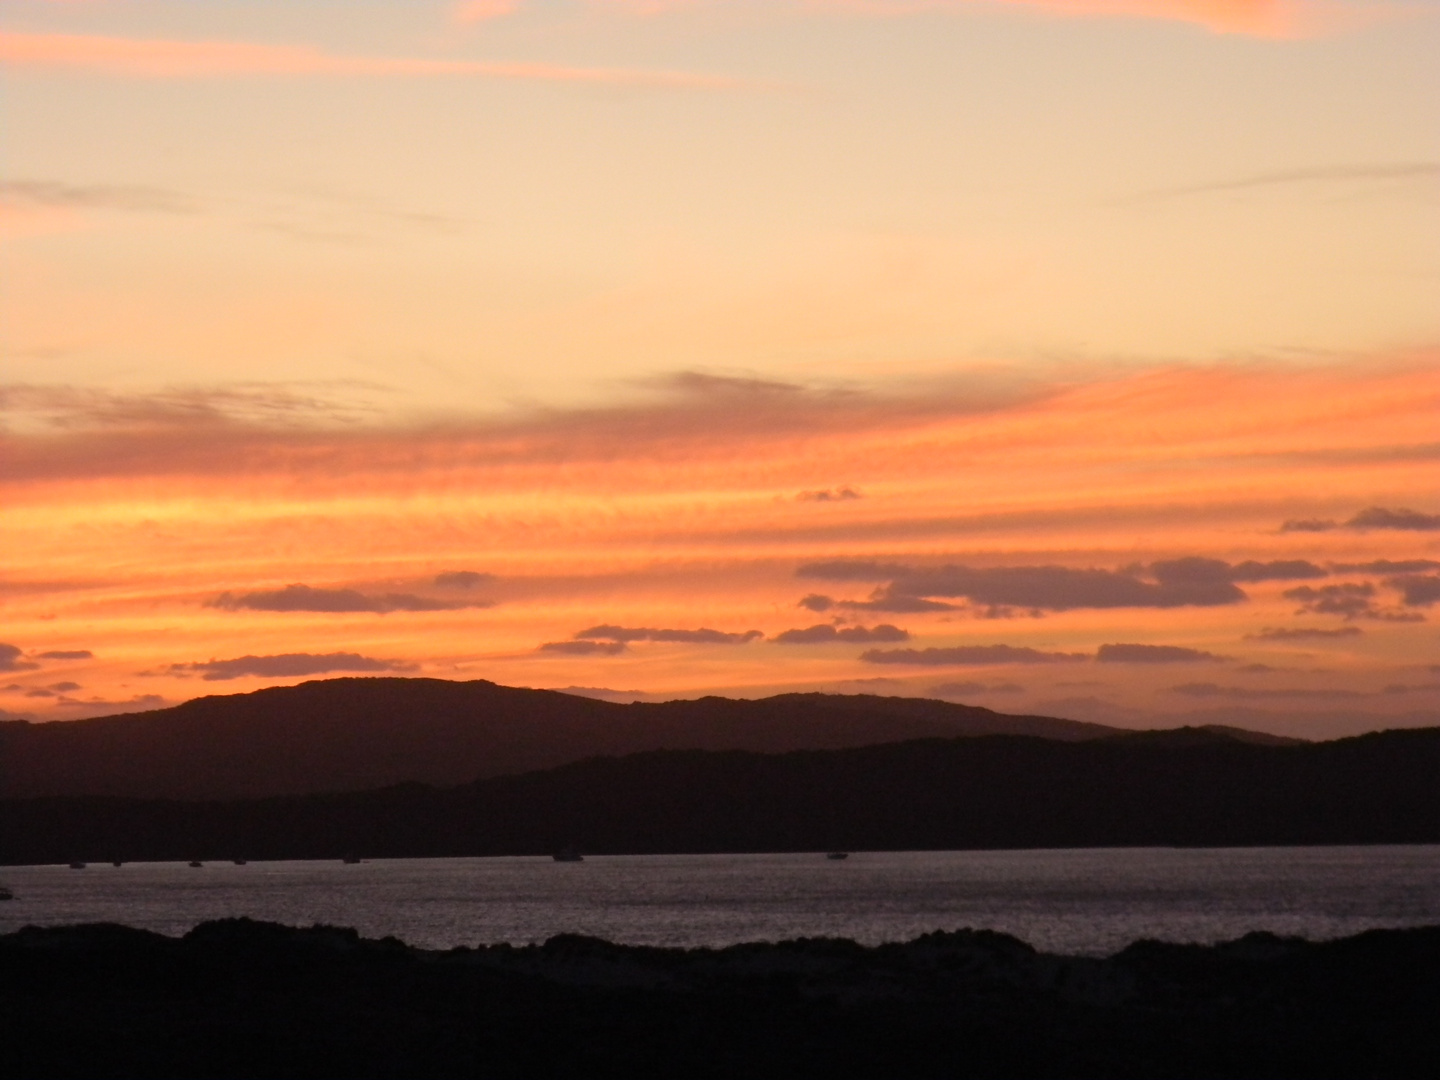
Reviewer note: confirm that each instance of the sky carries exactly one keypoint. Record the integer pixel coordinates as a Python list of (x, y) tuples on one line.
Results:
[(1072, 357)]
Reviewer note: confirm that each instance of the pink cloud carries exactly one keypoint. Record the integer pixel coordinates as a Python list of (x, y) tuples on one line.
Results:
[(479, 10), (1263, 18), (163, 59)]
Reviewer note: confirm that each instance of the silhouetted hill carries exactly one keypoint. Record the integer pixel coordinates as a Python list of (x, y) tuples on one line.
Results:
[(994, 791), (351, 734), (237, 998)]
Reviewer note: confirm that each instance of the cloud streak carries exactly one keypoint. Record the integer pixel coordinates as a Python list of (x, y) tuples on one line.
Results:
[(825, 633), (1154, 654), (172, 59), (136, 198), (1261, 18), (1374, 517), (287, 665), (1329, 174), (1176, 583), (969, 655), (1304, 633), (305, 598), (703, 636)]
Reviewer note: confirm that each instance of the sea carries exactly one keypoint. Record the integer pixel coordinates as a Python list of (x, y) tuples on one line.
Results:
[(1079, 902)]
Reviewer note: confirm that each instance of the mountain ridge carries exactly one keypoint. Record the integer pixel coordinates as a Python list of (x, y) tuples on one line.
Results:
[(350, 734)]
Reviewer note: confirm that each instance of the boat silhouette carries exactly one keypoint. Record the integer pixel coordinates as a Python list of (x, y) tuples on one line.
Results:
[(568, 855)]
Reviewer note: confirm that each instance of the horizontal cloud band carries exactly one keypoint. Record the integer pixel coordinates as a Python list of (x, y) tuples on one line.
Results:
[(976, 655), (305, 598), (288, 665)]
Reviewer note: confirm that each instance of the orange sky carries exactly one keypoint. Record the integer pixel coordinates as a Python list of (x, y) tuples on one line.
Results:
[(164, 535), (675, 348)]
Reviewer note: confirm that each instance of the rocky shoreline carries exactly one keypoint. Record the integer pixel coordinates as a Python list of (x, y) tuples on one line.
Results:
[(239, 998)]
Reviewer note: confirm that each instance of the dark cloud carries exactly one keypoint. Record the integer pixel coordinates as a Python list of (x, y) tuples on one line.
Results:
[(1177, 583), (1421, 688), (584, 648), (1154, 654), (39, 691), (1377, 517), (1303, 633), (1373, 517), (1278, 570), (65, 687), (66, 654), (10, 659), (1249, 693), (969, 655), (1387, 566), (703, 636), (1256, 669), (284, 665), (277, 426), (305, 598), (97, 705), (223, 413), (462, 579), (816, 602), (843, 494), (1309, 525), (885, 601), (1349, 600), (823, 633), (964, 689), (1417, 590)]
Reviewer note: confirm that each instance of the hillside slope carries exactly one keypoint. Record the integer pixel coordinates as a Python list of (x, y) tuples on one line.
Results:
[(357, 733)]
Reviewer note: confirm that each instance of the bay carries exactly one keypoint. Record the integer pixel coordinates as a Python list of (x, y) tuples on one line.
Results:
[(1092, 901)]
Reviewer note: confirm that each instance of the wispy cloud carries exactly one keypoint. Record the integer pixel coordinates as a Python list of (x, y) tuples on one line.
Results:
[(1280, 178), (130, 197), (969, 656), (1154, 654), (337, 601), (1250, 693), (703, 636), (825, 633), (1260, 18), (176, 59), (1304, 633), (287, 665), (1374, 517)]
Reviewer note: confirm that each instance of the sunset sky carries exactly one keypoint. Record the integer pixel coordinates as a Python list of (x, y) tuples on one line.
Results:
[(1076, 357)]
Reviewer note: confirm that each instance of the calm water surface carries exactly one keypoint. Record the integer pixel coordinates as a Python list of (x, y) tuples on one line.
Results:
[(1087, 901)]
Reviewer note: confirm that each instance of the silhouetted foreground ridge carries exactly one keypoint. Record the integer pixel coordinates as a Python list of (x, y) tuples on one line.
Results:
[(1185, 787), (244, 999), (351, 734)]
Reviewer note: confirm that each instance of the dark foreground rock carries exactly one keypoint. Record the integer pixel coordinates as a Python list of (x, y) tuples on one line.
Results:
[(238, 998)]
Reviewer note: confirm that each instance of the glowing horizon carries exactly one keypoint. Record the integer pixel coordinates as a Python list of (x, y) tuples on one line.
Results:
[(994, 351)]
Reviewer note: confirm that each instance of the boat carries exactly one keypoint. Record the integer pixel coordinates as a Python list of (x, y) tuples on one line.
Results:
[(837, 855), (568, 855), (238, 862), (117, 862), (196, 863), (77, 866), (6, 894)]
